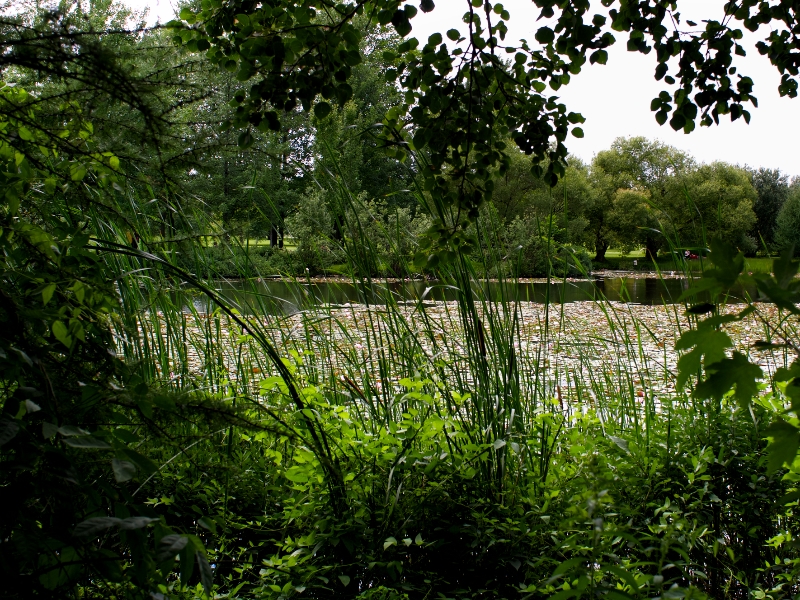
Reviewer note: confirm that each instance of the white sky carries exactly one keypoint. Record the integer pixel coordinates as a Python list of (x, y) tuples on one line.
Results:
[(615, 98)]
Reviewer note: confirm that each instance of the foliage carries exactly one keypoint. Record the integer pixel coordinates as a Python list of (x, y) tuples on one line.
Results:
[(67, 397), (461, 104), (638, 165), (312, 229), (787, 223), (722, 375), (148, 416), (772, 188), (714, 200), (539, 248), (650, 195)]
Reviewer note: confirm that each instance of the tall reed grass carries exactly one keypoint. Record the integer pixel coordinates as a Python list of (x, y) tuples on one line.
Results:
[(488, 391)]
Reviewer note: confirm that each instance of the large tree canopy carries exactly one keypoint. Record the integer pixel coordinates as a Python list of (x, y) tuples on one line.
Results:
[(462, 101)]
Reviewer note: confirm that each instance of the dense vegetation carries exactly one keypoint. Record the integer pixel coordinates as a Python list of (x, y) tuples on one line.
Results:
[(160, 441)]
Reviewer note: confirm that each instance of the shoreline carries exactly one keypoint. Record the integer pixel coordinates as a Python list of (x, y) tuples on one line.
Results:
[(593, 276)]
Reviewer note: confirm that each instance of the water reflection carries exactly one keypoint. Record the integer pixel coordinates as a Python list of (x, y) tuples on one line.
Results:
[(276, 296)]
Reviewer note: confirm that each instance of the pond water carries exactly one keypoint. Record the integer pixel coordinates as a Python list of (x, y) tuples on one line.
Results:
[(278, 296)]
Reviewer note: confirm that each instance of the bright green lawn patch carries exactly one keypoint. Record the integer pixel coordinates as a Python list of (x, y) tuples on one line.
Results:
[(615, 253)]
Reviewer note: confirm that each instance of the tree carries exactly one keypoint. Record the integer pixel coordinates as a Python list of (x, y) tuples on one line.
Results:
[(787, 223), (772, 188), (518, 193), (462, 102), (380, 176), (634, 164), (632, 220), (513, 190), (712, 201), (567, 200)]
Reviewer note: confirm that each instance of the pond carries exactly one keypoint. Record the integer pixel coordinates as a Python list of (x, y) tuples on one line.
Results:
[(287, 297)]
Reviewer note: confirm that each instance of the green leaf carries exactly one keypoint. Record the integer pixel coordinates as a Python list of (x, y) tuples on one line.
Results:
[(126, 436), (123, 470), (426, 6), (207, 523), (784, 268), (564, 594), (245, 140), (147, 466), (708, 345), (47, 293), (785, 442), (623, 444), (170, 546), (206, 574), (23, 356), (297, 474), (577, 132), (21, 411), (784, 374), (322, 110), (91, 528), (453, 34), (49, 430), (401, 23), (8, 429), (137, 522), (545, 35), (390, 541), (623, 575), (599, 57), (728, 373), (344, 579), (728, 262), (70, 430), (187, 554), (87, 442), (564, 568), (77, 171), (701, 309), (61, 333)]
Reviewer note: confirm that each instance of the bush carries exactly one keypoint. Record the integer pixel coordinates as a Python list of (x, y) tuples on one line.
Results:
[(533, 254), (387, 236), (312, 229)]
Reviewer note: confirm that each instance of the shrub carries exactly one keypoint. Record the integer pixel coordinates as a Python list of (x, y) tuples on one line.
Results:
[(312, 228), (538, 249)]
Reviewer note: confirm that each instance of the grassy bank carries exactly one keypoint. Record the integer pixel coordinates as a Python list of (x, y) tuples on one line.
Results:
[(620, 262)]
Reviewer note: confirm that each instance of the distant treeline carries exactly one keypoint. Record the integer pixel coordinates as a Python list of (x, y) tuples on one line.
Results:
[(301, 190)]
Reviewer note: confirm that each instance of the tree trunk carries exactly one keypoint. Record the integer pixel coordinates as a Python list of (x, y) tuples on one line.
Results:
[(651, 250), (600, 248)]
